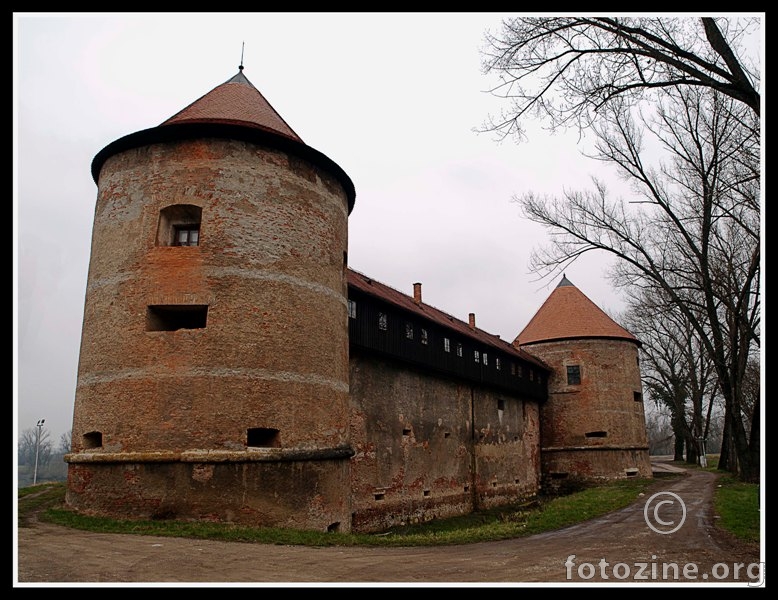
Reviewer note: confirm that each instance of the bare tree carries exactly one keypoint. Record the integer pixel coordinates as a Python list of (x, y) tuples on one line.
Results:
[(564, 70), (27, 443), (694, 234), (677, 371), (660, 433), (65, 442)]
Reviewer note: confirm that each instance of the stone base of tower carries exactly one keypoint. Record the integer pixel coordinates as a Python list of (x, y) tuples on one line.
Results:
[(301, 490), (566, 468)]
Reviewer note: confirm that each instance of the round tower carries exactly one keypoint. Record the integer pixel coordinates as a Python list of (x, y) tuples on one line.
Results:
[(213, 373), (593, 423)]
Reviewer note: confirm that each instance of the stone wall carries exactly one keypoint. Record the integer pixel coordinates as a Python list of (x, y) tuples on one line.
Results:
[(430, 447), (269, 361), (596, 428)]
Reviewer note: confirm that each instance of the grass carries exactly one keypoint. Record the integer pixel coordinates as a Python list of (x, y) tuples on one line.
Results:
[(47, 502), (737, 504)]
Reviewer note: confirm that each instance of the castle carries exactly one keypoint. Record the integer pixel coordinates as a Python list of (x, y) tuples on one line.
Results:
[(233, 367)]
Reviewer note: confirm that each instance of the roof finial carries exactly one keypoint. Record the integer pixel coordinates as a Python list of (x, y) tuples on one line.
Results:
[(242, 45)]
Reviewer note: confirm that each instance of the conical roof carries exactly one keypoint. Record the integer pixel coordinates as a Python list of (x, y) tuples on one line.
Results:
[(569, 314), (234, 110), (238, 102)]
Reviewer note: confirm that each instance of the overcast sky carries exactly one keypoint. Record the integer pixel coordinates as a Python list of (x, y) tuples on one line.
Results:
[(393, 98)]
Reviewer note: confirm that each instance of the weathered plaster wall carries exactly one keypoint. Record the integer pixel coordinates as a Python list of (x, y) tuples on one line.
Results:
[(428, 447)]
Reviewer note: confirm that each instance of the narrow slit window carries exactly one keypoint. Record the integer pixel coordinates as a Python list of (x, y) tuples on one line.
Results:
[(382, 321), (352, 309), (486, 359), (459, 350), (446, 345), (476, 356), (409, 330), (424, 337)]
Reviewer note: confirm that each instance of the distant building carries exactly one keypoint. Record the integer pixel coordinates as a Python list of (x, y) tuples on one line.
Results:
[(234, 368)]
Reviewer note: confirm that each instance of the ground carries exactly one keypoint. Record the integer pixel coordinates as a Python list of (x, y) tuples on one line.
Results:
[(617, 548)]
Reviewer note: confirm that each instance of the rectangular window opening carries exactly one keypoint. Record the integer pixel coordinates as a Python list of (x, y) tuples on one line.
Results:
[(573, 375), (596, 434), (172, 317), (263, 437), (352, 309), (382, 321), (446, 345), (187, 235)]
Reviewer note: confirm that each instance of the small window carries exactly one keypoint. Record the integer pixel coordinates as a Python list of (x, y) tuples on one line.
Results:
[(409, 330), (172, 317), (637, 396), (459, 350), (476, 356), (497, 363), (446, 345), (352, 309), (424, 337), (263, 437), (486, 359), (382, 321), (187, 235), (513, 368), (179, 225), (573, 375), (93, 439)]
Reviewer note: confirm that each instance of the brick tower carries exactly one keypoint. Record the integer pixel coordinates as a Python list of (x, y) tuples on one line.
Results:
[(213, 372), (593, 423)]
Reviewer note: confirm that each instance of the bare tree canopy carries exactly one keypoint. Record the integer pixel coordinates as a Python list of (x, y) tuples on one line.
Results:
[(693, 231), (565, 69)]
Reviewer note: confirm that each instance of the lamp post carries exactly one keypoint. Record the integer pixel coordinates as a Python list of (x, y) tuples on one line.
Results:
[(39, 425)]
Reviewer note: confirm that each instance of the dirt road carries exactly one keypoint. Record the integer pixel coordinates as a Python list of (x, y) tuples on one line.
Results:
[(618, 548)]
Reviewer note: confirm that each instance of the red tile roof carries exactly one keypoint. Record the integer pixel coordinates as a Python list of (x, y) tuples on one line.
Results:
[(370, 286), (236, 102), (568, 313)]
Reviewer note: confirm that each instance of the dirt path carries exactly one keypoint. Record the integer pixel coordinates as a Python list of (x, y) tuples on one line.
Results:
[(623, 540)]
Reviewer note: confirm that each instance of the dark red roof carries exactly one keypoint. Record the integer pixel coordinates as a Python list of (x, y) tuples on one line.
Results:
[(567, 313), (370, 286), (235, 102)]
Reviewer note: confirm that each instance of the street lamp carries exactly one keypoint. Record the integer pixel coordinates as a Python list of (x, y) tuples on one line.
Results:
[(39, 425)]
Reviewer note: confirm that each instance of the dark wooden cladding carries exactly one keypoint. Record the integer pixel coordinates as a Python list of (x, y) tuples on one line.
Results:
[(514, 375)]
